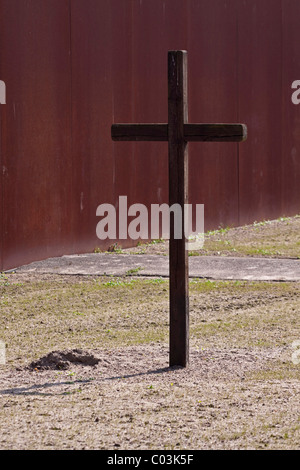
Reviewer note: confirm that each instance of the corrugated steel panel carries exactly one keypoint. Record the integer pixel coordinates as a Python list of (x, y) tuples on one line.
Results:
[(72, 68), (213, 97), (260, 106), (290, 118), (35, 144), (93, 166)]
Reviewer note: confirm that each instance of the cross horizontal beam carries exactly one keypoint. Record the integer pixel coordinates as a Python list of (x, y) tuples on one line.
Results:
[(192, 132)]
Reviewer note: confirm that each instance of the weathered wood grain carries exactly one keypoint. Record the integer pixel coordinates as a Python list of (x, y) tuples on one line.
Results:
[(178, 132), (178, 194)]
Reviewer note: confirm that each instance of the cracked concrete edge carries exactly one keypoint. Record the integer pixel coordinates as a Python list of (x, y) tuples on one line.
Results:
[(207, 267)]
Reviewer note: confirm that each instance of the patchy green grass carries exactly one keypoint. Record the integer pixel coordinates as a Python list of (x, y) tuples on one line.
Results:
[(269, 238), (40, 315), (240, 391)]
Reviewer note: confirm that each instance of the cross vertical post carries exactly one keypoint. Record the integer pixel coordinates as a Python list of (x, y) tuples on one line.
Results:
[(178, 194)]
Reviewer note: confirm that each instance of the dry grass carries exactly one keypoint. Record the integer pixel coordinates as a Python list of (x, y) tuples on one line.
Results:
[(240, 391), (270, 238)]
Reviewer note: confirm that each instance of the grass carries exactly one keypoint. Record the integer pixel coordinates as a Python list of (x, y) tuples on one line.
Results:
[(133, 271), (230, 321), (114, 248), (270, 238), (267, 238), (40, 315)]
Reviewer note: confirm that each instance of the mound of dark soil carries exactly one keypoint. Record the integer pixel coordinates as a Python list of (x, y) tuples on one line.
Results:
[(63, 360)]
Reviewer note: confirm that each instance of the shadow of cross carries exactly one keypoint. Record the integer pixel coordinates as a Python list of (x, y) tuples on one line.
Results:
[(177, 132)]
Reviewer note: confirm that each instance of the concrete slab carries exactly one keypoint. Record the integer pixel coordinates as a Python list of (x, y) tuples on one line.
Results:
[(209, 267)]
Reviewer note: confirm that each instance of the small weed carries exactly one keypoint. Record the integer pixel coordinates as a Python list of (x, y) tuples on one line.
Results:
[(143, 246), (133, 270), (220, 230), (154, 242), (261, 223), (156, 280), (4, 280), (78, 313), (194, 253), (114, 248), (119, 282), (114, 283)]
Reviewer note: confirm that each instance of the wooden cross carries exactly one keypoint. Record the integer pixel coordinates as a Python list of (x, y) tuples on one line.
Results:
[(177, 132)]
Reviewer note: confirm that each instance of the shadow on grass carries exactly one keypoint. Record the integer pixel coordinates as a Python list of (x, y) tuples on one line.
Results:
[(37, 389), (33, 389)]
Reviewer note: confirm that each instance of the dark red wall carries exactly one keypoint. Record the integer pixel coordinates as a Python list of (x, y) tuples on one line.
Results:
[(73, 67)]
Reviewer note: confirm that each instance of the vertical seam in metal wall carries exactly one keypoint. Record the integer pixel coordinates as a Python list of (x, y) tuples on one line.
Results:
[(71, 120), (133, 147), (111, 71), (238, 105), (1, 180), (2, 194), (282, 108)]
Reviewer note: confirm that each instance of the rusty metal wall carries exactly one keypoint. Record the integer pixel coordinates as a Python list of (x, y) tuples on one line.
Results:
[(213, 97), (290, 117), (73, 67), (260, 105), (35, 130)]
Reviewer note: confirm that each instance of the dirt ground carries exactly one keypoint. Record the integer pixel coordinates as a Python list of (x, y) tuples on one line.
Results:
[(87, 361)]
